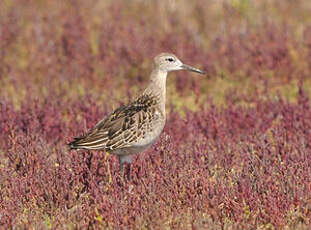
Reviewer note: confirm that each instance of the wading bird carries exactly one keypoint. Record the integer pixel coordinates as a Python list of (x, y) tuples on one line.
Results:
[(132, 128)]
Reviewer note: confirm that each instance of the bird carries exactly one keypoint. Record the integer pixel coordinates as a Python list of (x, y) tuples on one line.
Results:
[(132, 128)]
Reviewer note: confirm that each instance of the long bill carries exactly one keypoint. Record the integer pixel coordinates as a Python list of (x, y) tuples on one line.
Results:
[(190, 68)]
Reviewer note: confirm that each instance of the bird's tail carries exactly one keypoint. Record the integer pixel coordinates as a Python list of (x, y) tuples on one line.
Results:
[(87, 143), (75, 143)]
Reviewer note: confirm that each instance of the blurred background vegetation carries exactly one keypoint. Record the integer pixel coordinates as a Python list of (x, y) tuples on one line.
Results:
[(235, 152), (105, 48)]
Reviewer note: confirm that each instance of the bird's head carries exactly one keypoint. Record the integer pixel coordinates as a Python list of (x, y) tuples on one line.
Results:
[(167, 62)]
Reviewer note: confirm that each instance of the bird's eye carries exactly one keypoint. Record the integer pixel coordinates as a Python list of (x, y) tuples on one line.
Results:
[(169, 59)]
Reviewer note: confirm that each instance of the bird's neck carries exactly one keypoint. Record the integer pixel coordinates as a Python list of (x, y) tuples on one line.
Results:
[(157, 86)]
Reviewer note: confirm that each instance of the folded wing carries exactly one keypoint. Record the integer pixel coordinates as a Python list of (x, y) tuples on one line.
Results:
[(120, 128)]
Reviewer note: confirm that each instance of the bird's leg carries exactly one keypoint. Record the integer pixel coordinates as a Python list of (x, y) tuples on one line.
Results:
[(122, 160)]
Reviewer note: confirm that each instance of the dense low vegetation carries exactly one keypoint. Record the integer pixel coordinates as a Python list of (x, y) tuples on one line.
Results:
[(236, 149)]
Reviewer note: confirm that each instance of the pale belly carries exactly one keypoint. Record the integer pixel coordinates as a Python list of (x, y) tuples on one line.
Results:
[(143, 143)]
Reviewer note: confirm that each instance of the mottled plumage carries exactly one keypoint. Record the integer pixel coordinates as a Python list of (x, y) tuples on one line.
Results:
[(132, 128), (126, 125)]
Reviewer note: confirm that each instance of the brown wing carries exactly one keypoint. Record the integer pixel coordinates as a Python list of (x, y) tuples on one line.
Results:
[(120, 128)]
